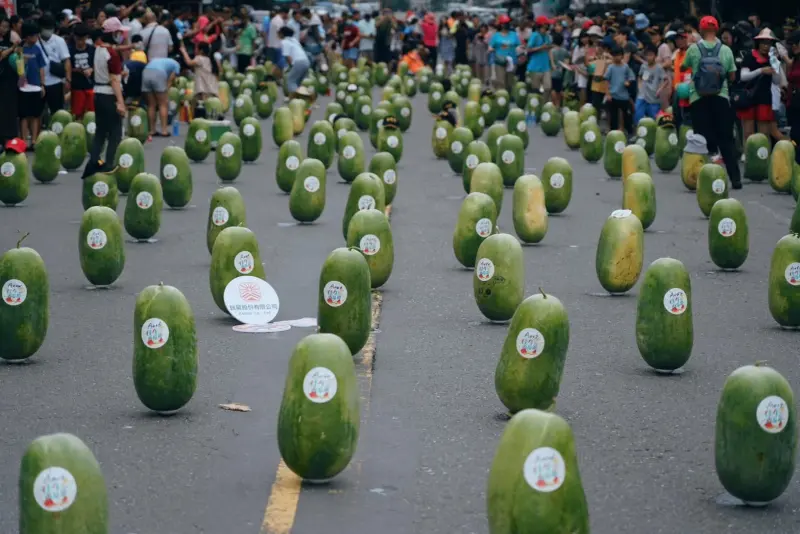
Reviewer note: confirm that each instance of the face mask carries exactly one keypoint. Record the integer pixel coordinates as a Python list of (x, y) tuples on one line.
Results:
[(119, 38), (46, 34)]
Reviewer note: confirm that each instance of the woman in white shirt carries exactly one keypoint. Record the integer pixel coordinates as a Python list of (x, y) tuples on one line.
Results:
[(297, 59)]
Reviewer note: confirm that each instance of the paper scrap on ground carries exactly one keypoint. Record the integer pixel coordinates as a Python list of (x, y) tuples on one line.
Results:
[(235, 407)]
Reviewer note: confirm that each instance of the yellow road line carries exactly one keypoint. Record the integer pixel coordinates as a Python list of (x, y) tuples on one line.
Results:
[(285, 493)]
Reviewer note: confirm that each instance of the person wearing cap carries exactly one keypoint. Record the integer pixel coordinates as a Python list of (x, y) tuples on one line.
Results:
[(713, 68), (539, 61), (629, 15), (503, 45), (758, 75)]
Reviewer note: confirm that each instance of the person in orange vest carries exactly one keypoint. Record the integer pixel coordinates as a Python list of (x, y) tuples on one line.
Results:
[(414, 58)]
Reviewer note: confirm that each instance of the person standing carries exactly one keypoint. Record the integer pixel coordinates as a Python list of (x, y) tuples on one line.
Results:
[(383, 37), (480, 53), (713, 68), (793, 90), (461, 33), (430, 36), (10, 54), (653, 81), (618, 98), (350, 40), (82, 61), (157, 39), (245, 44), (503, 45), (274, 45), (32, 91), (58, 74), (366, 29), (539, 64)]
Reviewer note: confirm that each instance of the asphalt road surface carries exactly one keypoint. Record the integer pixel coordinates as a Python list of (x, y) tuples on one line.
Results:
[(431, 418)]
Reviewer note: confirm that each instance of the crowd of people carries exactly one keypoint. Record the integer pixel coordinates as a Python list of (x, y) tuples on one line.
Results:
[(720, 78)]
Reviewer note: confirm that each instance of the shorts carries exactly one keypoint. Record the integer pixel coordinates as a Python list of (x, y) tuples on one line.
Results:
[(31, 104), (542, 80), (154, 81), (758, 113), (295, 76), (350, 53), (558, 84), (82, 101)]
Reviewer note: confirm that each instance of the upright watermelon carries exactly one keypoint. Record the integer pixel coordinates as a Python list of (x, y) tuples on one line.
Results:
[(225, 209), (14, 181), (351, 156), (228, 161), (322, 143), (510, 158), (529, 213), (250, 132), (493, 135), (691, 164), (667, 149), (612, 157), (476, 222), (100, 246), (781, 166), (712, 185), (591, 141), (366, 192), (646, 132), (142, 217), (235, 253), (499, 280), (477, 152), (176, 177), (282, 128), (784, 281), (635, 159), (129, 161), (488, 179), (289, 157), (756, 157), (458, 140), (198, 140), (369, 232), (557, 182), (572, 129), (46, 157), (384, 167), (620, 252), (73, 146), (728, 234), (307, 197), (100, 189), (639, 196), (165, 356)]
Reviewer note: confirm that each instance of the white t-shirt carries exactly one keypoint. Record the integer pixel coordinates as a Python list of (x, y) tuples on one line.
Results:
[(292, 49), (158, 46), (56, 51), (134, 28), (274, 40)]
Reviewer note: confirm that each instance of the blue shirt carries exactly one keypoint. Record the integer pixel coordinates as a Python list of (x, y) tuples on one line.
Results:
[(617, 75), (34, 61), (539, 61), (504, 46), (265, 24), (180, 26), (165, 64)]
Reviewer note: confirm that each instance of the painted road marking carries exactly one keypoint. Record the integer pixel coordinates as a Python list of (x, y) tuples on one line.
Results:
[(285, 493)]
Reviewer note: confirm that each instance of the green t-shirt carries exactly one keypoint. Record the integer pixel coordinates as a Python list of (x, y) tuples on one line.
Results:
[(246, 40), (692, 61)]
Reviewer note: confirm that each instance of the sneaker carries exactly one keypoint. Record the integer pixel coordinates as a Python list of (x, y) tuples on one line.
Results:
[(736, 185), (717, 160)]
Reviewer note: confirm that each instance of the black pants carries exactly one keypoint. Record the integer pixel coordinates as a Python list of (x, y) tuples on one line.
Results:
[(432, 55), (242, 62), (793, 117), (614, 107), (712, 117), (109, 127), (54, 97)]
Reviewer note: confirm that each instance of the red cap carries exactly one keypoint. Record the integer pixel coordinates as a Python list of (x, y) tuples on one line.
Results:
[(16, 145), (541, 20), (709, 23), (503, 19), (588, 24)]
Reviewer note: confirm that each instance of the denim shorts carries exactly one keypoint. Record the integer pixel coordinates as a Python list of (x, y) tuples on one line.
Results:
[(350, 53), (154, 81)]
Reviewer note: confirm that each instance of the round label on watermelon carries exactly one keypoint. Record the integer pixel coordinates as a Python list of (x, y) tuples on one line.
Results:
[(405, 112), (389, 177), (530, 343), (57, 127), (219, 216), (370, 245), (523, 92), (96, 239), (366, 202), (762, 153), (676, 301), (340, 132), (726, 227), (348, 99), (91, 127), (239, 102), (507, 157), (392, 141), (441, 133), (311, 184), (125, 161), (55, 489), (410, 83), (319, 138), (641, 131), (483, 227), (718, 186), (436, 95), (155, 333), (456, 147), (244, 262), (264, 99), (100, 189), (620, 214), (349, 152), (200, 136), (319, 385), (619, 147), (366, 110), (292, 163), (136, 121), (227, 150), (545, 118), (144, 200), (642, 142), (544, 469), (334, 293), (772, 414), (472, 161), (57, 152), (792, 274), (14, 292), (249, 130), (589, 137), (7, 169), (482, 122), (170, 171), (501, 101), (557, 180), (673, 139), (484, 269), (534, 102), (486, 108)]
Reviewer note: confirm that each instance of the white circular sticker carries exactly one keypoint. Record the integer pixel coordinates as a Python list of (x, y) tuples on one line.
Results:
[(641, 131), (348, 99), (472, 161), (173, 105), (311, 184), (96, 239), (545, 117), (484, 269), (589, 137), (91, 127), (244, 262), (349, 152), (155, 333), (366, 110), (641, 142), (170, 171), (792, 274), (620, 214), (249, 130), (100, 189), (718, 186), (507, 157), (200, 136), (676, 301), (57, 152), (534, 102), (323, 80), (55, 489), (220, 216), (483, 227), (264, 99), (319, 138), (762, 153), (726, 227), (405, 112), (342, 76), (370, 244), (334, 293), (557, 180), (523, 92), (352, 87), (464, 81), (441, 133), (486, 108), (689, 133), (227, 150), (125, 161), (501, 101), (424, 79), (251, 300), (544, 469), (673, 139), (136, 121), (292, 163), (239, 102), (522, 127), (530, 343), (58, 127), (619, 147), (456, 147), (392, 141), (482, 122), (410, 83), (144, 200), (247, 91), (236, 83), (436, 95), (772, 414), (389, 177), (366, 202), (319, 385), (340, 132), (14, 292)]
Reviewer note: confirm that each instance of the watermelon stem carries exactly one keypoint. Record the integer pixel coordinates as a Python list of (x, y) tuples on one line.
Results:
[(761, 363), (544, 295), (21, 239)]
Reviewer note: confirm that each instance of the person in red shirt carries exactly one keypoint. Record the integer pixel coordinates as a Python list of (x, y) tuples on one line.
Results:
[(430, 36), (350, 40)]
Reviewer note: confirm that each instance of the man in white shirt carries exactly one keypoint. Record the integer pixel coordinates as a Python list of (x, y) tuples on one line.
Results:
[(156, 38), (274, 45), (58, 73), (134, 24), (297, 59), (366, 28)]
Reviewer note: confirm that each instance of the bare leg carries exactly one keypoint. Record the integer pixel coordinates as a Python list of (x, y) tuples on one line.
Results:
[(151, 111), (163, 112)]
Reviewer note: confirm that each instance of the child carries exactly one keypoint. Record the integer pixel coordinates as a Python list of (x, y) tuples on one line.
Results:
[(653, 81), (619, 77), (558, 56), (31, 91)]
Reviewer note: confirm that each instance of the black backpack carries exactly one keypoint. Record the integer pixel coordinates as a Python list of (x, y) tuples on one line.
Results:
[(709, 78)]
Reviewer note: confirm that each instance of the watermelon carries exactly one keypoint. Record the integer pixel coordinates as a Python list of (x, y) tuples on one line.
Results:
[(176, 177), (493, 135), (756, 157), (366, 192), (235, 253), (457, 141), (591, 141), (639, 196), (499, 279), (351, 156), (100, 246), (439, 138), (518, 126), (634, 159), (250, 134), (290, 155), (369, 232), (728, 235), (690, 169), (712, 185), (322, 143), (529, 213), (384, 166), (557, 183), (225, 209), (667, 152), (307, 197), (510, 158), (646, 132), (550, 122), (14, 182), (100, 189), (781, 166), (142, 217), (572, 129), (784, 281), (488, 178), (476, 222), (612, 156), (477, 152), (620, 250)]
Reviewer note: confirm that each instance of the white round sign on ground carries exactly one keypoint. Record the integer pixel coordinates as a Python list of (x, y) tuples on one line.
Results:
[(271, 328), (544, 469), (726, 227), (251, 300), (676, 301), (14, 292), (125, 161), (249, 130), (100, 189), (55, 489), (91, 127), (170, 171), (320, 385), (772, 414)]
